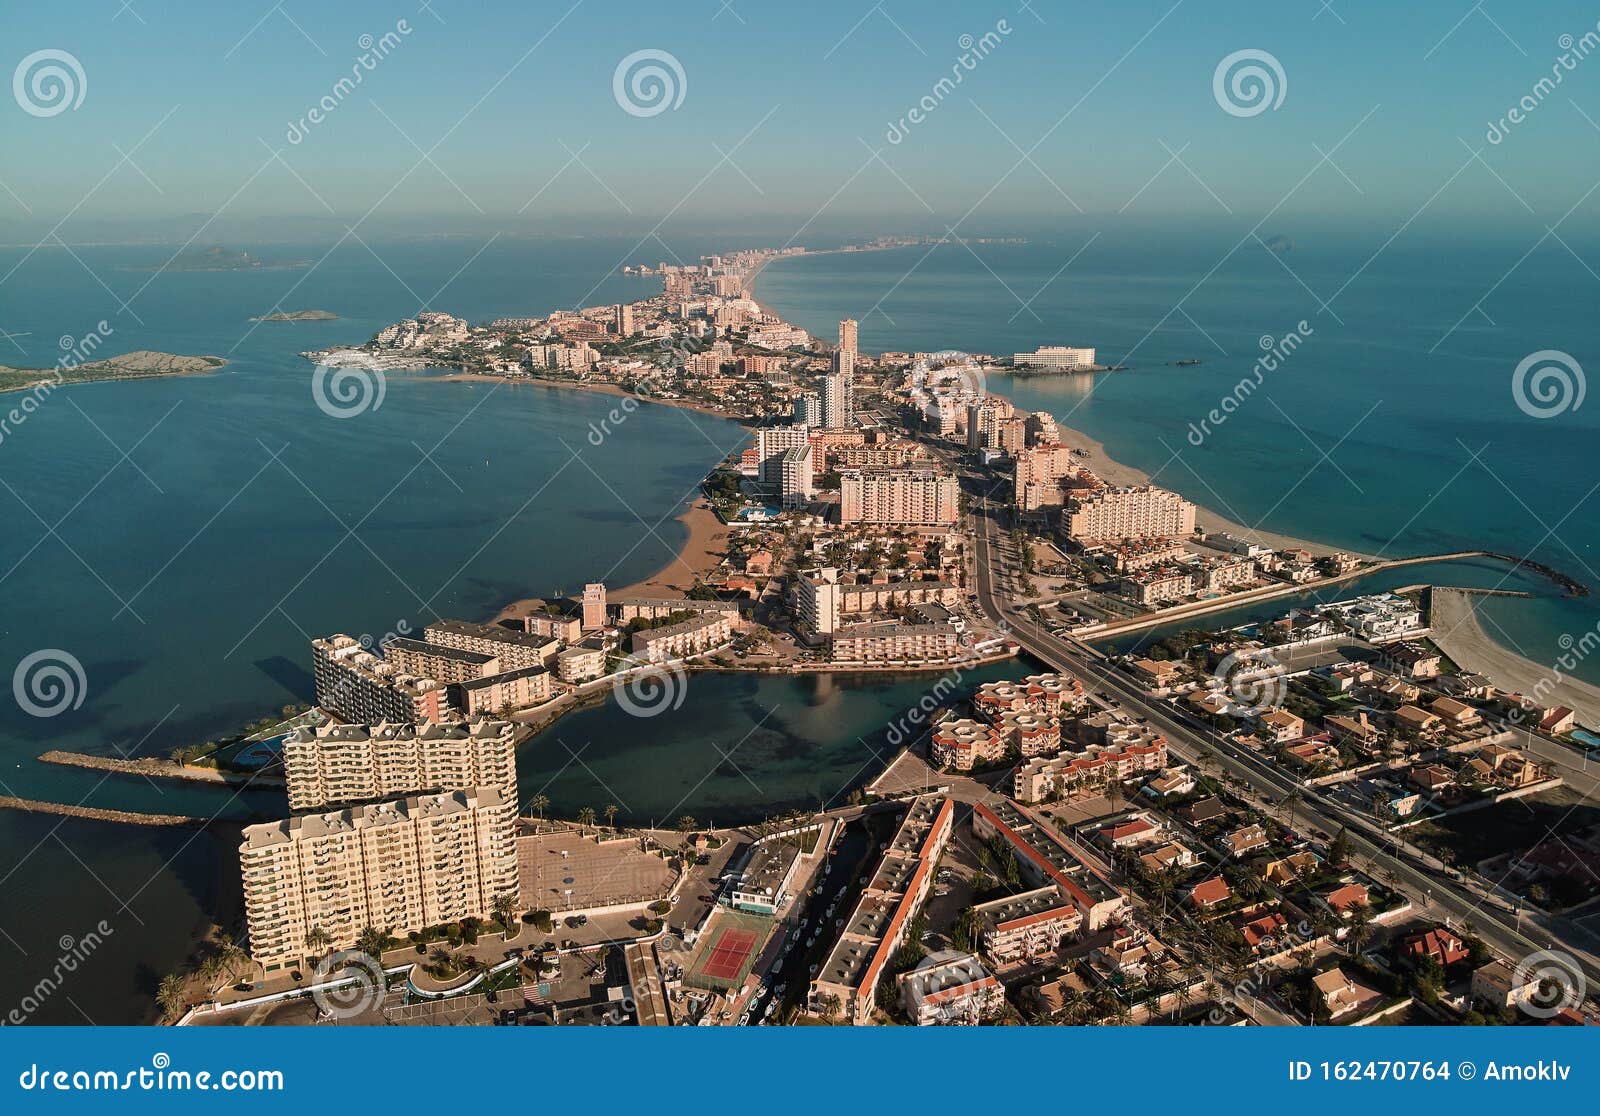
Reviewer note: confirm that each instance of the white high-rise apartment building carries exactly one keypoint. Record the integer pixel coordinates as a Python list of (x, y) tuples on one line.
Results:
[(838, 400), (335, 765), (396, 866), (915, 497), (772, 442), (798, 483), (847, 336), (1140, 512)]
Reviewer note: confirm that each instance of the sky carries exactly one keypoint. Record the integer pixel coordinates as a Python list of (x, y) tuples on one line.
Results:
[(509, 113)]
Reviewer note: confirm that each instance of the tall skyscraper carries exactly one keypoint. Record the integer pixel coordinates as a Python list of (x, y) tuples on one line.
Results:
[(847, 336), (838, 401), (625, 319), (808, 409)]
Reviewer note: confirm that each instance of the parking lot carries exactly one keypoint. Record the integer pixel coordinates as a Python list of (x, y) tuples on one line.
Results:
[(567, 871)]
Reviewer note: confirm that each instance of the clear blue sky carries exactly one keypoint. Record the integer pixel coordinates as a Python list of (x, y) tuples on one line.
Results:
[(830, 74)]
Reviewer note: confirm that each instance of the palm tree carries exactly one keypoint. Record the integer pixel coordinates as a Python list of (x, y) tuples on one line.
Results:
[(505, 910), (211, 969), (1290, 800), (686, 824), (540, 803), (169, 995), (586, 817), (317, 940), (373, 942), (611, 816)]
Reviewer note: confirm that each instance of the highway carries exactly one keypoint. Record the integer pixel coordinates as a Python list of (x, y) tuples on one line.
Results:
[(1423, 876)]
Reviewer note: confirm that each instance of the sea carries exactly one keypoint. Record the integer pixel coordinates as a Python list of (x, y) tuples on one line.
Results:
[(172, 545)]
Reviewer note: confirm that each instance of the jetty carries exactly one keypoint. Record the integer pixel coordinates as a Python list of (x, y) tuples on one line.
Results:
[(95, 813), (151, 768)]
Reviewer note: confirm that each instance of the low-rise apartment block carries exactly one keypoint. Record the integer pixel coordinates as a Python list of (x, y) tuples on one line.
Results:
[(1046, 859), (688, 637), (962, 744), (1073, 773), (873, 644), (1020, 928), (847, 983)]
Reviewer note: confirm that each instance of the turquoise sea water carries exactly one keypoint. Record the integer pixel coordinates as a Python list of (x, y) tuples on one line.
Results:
[(1426, 449), (231, 562)]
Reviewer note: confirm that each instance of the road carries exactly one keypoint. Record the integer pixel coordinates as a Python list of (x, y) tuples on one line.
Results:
[(1424, 876)]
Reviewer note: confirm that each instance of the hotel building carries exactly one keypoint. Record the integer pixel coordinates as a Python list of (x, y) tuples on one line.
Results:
[(337, 765), (1056, 358), (1138, 512), (916, 497), (399, 866)]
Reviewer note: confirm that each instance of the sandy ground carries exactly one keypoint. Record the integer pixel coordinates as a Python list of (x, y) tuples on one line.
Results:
[(1458, 632), (700, 554)]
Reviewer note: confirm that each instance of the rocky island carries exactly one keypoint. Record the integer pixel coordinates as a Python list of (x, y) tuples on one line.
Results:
[(299, 316), (138, 365)]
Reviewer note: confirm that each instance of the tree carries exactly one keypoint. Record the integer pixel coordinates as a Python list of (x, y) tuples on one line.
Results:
[(170, 997), (373, 942), (1290, 800), (686, 824), (1360, 927), (586, 817), (540, 804), (505, 911), (1339, 849), (317, 941), (611, 816)]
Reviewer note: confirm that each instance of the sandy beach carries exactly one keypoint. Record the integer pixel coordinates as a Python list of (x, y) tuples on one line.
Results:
[(1459, 633), (700, 554)]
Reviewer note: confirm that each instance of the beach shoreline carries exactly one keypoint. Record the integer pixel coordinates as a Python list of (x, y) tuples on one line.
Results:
[(1459, 634)]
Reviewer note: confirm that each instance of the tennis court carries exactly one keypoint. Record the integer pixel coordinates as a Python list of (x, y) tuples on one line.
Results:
[(729, 951)]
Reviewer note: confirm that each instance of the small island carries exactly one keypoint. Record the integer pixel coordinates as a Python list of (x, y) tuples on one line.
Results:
[(218, 258), (299, 316), (139, 365)]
